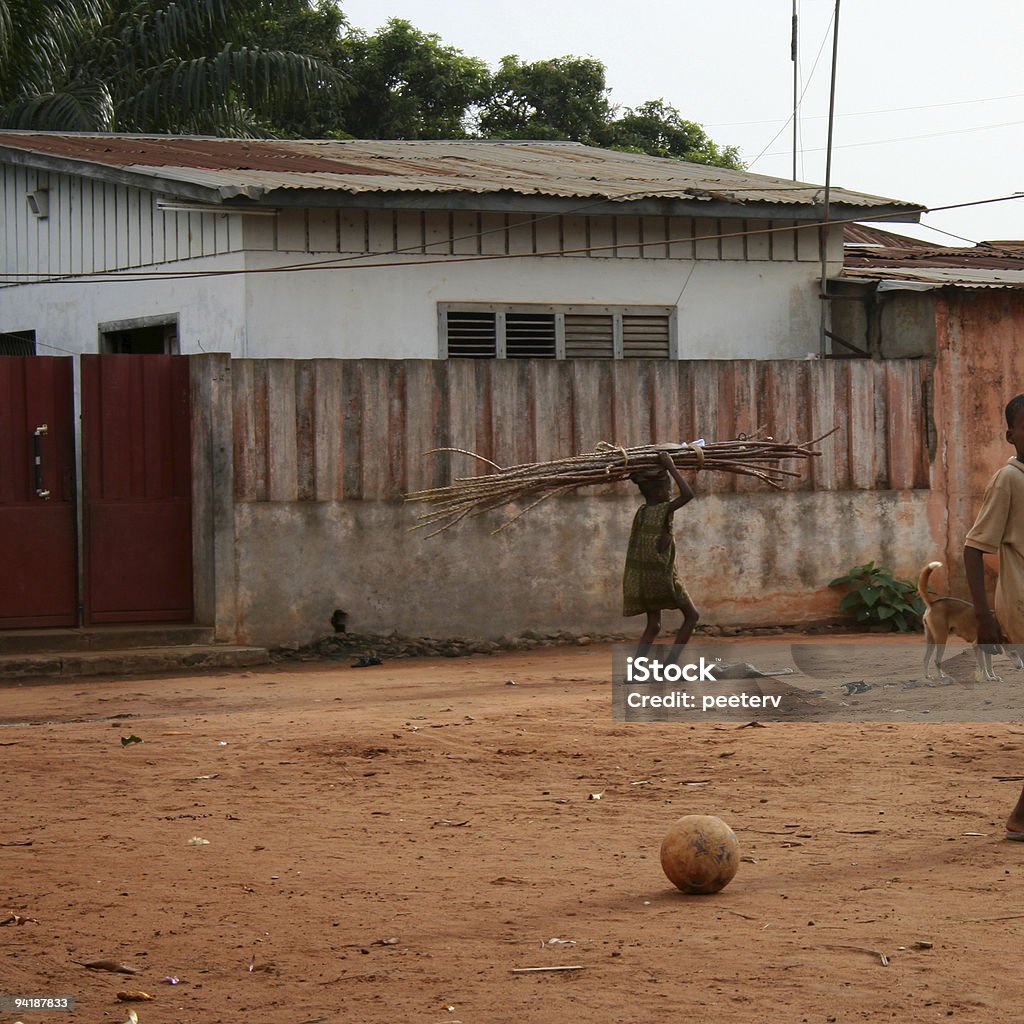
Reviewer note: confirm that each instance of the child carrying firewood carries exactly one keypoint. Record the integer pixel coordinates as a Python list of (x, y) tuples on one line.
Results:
[(650, 583)]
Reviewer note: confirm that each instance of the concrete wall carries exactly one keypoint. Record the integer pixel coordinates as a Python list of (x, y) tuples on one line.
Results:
[(323, 450), (746, 559)]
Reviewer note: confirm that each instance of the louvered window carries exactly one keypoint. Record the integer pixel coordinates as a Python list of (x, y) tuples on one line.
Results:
[(472, 335), (521, 331), (645, 337), (529, 336), (589, 336)]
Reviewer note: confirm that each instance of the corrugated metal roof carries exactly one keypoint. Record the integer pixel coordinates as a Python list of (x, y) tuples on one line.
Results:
[(925, 279), (256, 169), (867, 235), (895, 261)]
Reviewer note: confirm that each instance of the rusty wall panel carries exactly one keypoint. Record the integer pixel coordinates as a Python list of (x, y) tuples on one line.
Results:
[(327, 453), (282, 448), (330, 430)]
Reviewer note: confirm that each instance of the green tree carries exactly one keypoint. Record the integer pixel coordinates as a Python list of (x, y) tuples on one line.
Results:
[(658, 129), (145, 65), (407, 85), (562, 98), (316, 28)]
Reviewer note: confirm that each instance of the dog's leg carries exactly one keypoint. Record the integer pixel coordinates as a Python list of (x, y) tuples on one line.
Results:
[(944, 677), (929, 647), (984, 673), (1014, 653)]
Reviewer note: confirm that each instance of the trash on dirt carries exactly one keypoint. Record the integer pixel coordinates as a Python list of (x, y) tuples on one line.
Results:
[(450, 824), (200, 778), (882, 958), (134, 997), (561, 942), (744, 670), (17, 919), (596, 796), (386, 942), (367, 661), (171, 979), (923, 945), (511, 682), (857, 686), (535, 970), (114, 966), (128, 740), (198, 841), (133, 1018)]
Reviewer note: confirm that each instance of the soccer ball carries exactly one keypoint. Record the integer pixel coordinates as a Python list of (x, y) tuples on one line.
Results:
[(700, 854)]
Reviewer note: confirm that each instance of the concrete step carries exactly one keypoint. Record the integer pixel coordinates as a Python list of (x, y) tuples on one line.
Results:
[(101, 638), (66, 665)]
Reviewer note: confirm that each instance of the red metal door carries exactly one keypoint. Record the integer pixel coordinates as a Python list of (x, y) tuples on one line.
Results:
[(137, 485), (38, 559)]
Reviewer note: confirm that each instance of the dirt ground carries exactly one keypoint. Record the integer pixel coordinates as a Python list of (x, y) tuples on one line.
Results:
[(392, 843)]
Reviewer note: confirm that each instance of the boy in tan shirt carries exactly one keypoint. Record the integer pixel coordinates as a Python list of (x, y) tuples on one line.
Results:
[(999, 529)]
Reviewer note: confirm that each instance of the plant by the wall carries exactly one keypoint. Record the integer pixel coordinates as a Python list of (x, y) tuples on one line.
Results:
[(877, 597)]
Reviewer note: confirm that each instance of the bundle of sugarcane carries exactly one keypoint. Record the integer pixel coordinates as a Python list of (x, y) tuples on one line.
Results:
[(757, 456)]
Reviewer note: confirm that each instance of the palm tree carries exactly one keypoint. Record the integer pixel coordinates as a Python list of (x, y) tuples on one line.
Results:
[(145, 66)]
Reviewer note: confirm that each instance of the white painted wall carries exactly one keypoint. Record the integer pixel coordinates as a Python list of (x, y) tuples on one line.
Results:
[(65, 316), (727, 309)]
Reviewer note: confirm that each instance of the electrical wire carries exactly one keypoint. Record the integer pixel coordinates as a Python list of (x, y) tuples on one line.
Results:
[(865, 113)]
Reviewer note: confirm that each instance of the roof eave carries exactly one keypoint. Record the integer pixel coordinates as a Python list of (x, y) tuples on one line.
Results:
[(240, 198)]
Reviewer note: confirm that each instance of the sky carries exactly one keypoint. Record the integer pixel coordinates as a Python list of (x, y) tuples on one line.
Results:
[(929, 96)]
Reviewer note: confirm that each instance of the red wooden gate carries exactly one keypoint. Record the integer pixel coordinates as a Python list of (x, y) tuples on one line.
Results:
[(137, 484), (38, 559)]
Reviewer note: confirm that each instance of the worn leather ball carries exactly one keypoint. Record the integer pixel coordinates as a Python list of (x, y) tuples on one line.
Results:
[(700, 854)]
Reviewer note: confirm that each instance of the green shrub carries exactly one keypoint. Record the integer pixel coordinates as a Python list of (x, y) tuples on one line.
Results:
[(877, 597)]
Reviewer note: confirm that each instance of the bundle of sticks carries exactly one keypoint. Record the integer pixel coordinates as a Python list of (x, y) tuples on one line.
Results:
[(757, 456)]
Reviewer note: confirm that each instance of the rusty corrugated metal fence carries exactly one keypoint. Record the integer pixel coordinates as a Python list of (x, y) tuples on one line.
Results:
[(341, 430)]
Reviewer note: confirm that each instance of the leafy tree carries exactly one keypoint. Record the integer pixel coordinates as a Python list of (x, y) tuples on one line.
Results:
[(316, 28), (407, 85), (562, 98), (658, 129), (145, 65)]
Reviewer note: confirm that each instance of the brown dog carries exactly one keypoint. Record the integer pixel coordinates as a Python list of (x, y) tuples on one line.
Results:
[(945, 615)]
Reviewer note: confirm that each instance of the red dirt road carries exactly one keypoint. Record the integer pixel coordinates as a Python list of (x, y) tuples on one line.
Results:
[(389, 844)]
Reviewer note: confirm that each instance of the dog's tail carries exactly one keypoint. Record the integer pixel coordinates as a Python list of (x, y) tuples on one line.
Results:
[(922, 581)]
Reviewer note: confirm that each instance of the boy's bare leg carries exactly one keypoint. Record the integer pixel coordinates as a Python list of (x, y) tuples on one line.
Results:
[(690, 619), (1015, 822), (650, 634)]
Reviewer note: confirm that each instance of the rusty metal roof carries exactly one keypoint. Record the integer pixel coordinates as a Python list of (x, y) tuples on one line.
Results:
[(861, 235), (267, 170), (895, 261)]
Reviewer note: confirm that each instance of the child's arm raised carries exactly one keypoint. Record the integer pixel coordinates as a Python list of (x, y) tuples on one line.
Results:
[(685, 491)]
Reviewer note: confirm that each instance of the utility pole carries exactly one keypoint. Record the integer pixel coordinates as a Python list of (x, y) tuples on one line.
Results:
[(823, 230), (794, 53)]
